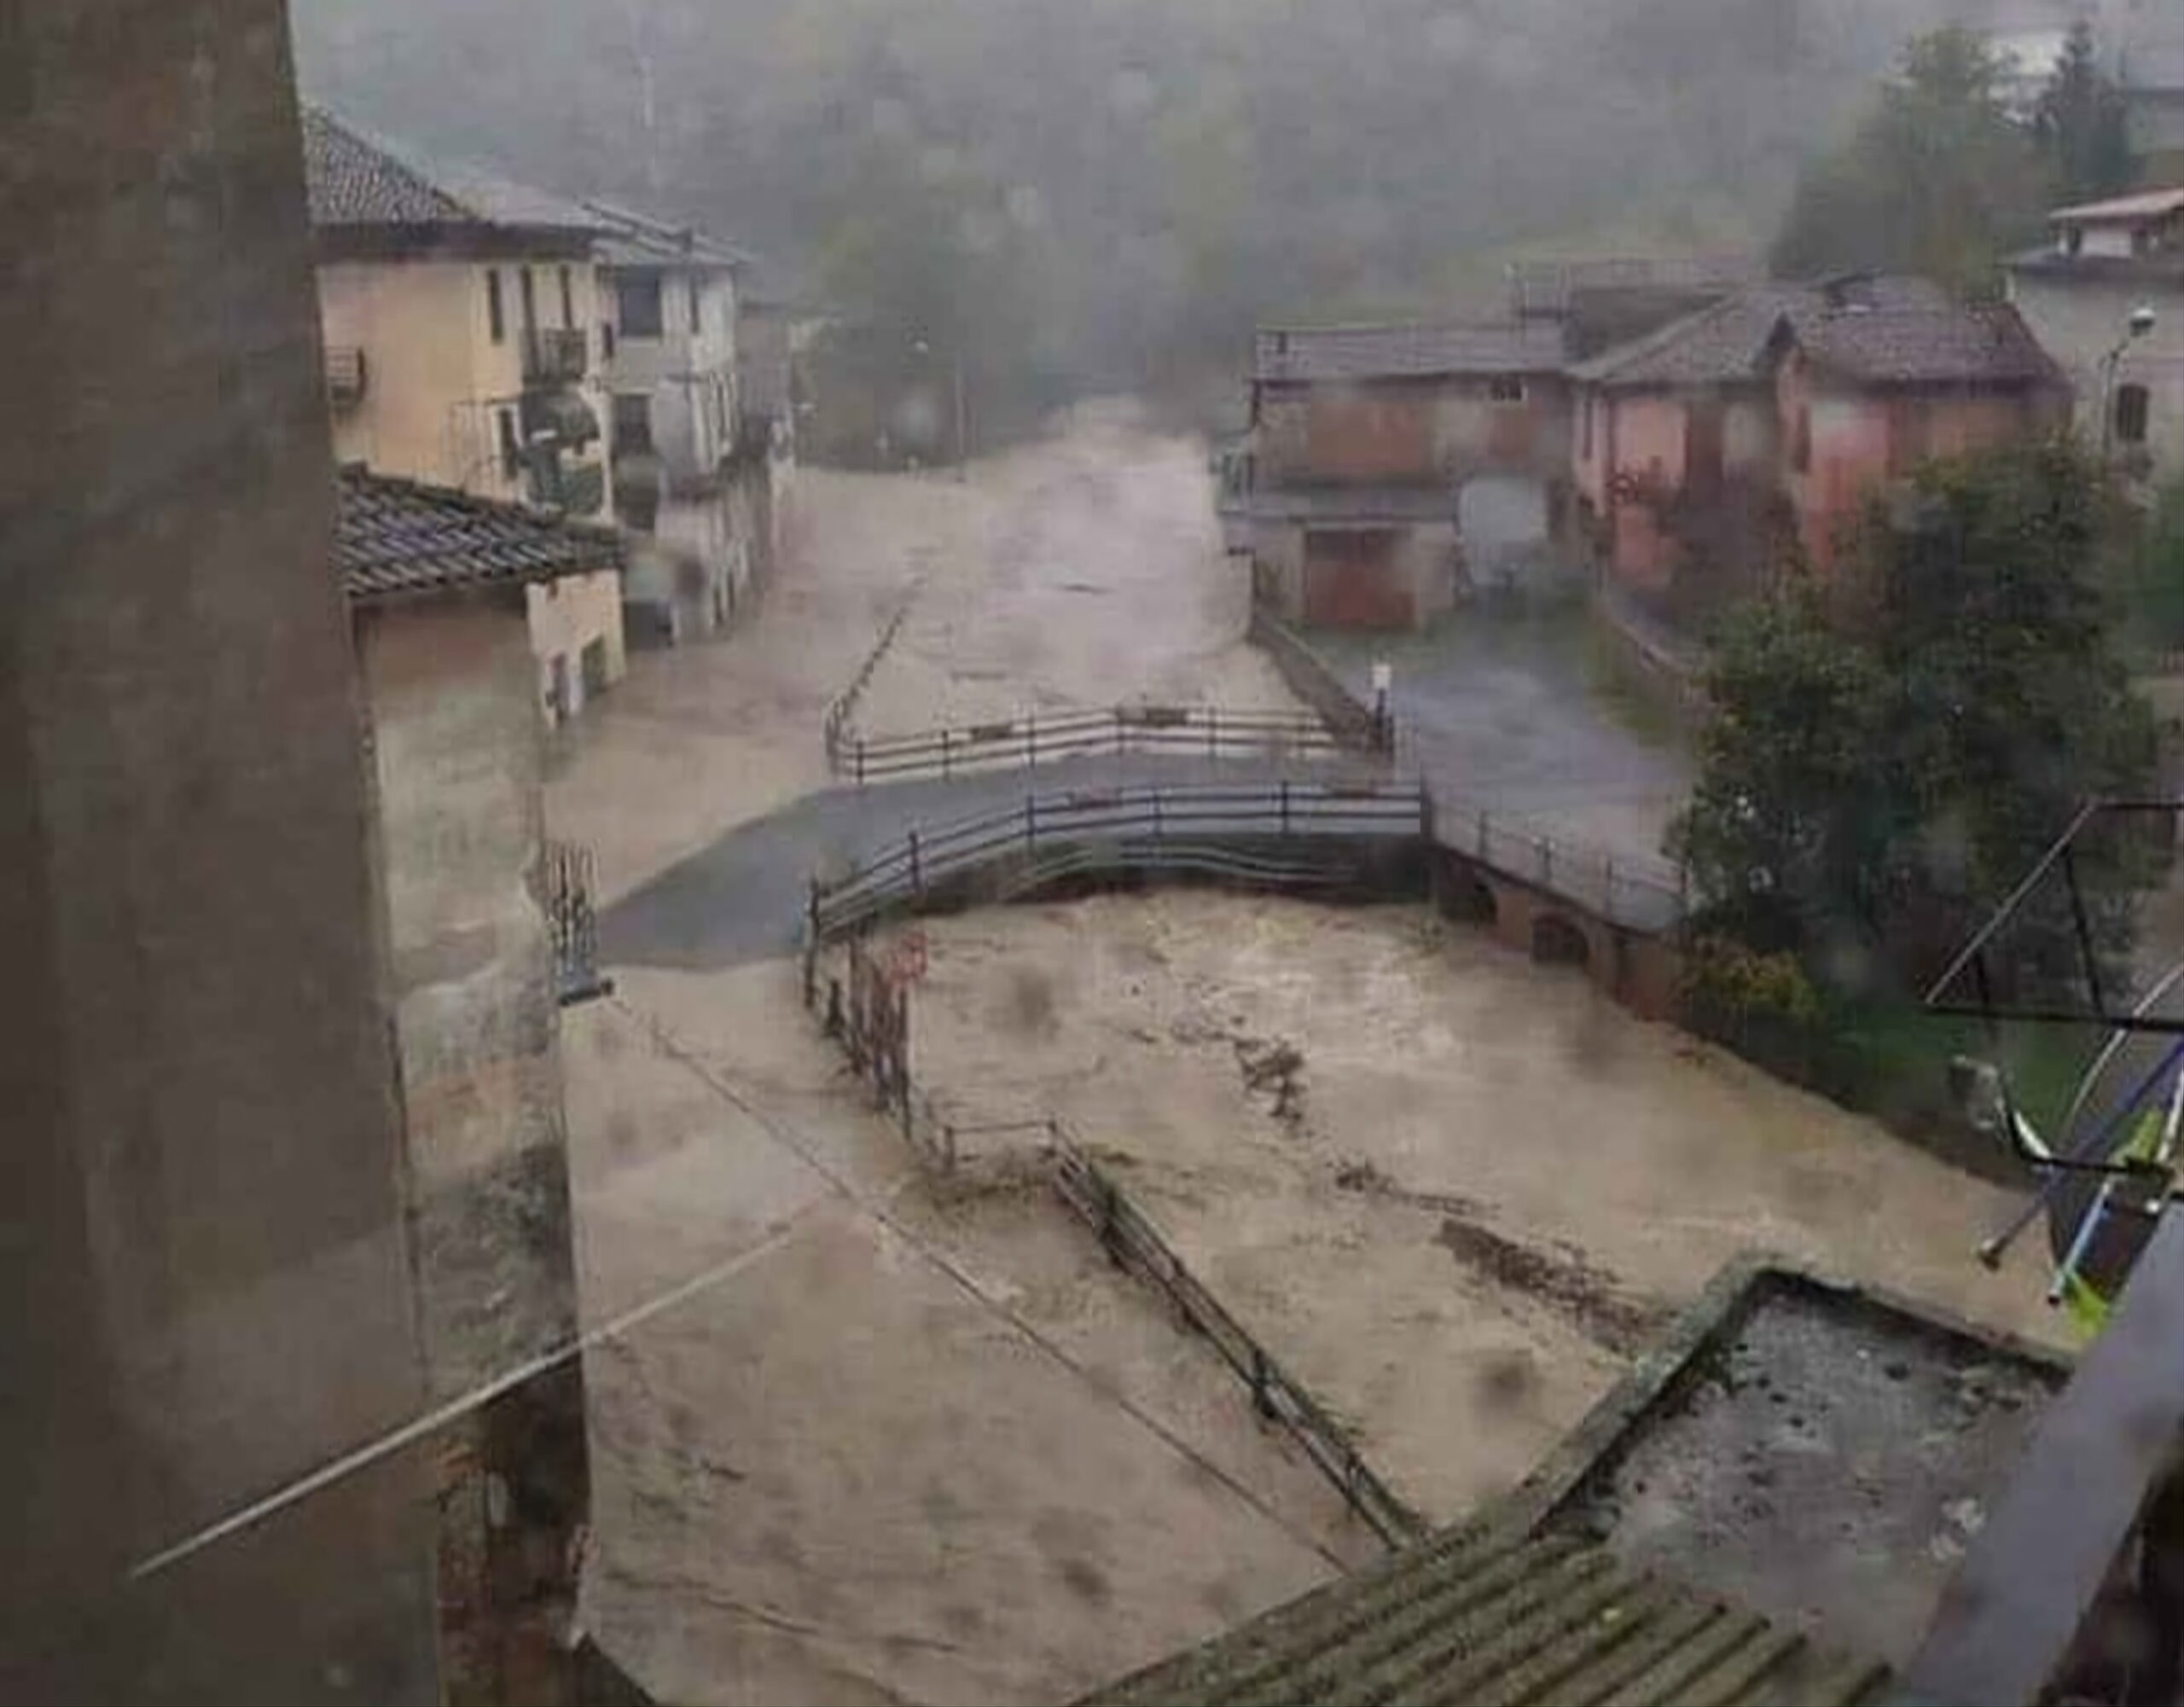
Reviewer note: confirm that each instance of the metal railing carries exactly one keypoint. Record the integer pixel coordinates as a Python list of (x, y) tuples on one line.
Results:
[(572, 924), (554, 356), (833, 728), (1133, 1242), (347, 374), (1029, 740), (1207, 827), (1652, 896)]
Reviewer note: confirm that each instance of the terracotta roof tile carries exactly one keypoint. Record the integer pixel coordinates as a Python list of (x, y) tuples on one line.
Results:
[(353, 178), (394, 538)]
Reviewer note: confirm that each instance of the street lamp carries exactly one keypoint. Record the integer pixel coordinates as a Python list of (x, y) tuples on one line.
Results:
[(2135, 327)]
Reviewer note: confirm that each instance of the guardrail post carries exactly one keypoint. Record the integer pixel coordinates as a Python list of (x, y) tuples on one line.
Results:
[(812, 944), (1031, 740), (1155, 792), (860, 761), (1213, 731), (1608, 886), (944, 751), (1285, 805), (917, 870), (1031, 824), (1118, 731)]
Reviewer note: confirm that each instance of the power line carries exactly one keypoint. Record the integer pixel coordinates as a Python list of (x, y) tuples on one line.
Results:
[(409, 1434)]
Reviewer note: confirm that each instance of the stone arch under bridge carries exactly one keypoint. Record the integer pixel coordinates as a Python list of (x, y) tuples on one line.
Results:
[(1640, 969)]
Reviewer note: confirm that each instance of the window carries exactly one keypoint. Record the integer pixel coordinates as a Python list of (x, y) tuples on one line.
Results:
[(2130, 421), (1507, 388), (697, 304), (495, 315), (568, 303), (632, 421), (530, 303), (637, 305), (511, 446)]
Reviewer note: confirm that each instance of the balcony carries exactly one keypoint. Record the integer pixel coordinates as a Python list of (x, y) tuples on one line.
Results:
[(553, 358), (345, 372), (575, 488)]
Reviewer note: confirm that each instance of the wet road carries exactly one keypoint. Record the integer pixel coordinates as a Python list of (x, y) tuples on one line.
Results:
[(1497, 711)]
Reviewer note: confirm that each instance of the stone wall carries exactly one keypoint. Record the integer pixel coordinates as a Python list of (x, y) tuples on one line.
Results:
[(459, 757)]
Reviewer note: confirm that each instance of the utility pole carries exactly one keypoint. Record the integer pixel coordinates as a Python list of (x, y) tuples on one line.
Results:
[(962, 435)]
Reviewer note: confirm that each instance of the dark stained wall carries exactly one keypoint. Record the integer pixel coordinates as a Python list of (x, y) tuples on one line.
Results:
[(201, 1250)]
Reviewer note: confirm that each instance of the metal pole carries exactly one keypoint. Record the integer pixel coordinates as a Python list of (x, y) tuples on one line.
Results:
[(962, 432)]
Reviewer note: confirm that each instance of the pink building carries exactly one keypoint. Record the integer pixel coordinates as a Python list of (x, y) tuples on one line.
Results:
[(1700, 450)]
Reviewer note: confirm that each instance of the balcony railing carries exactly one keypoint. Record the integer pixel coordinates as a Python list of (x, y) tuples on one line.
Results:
[(554, 357), (579, 488), (345, 373)]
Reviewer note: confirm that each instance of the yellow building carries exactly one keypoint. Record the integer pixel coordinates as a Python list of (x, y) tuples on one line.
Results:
[(463, 321)]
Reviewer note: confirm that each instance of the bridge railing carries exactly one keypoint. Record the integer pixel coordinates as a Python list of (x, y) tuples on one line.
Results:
[(1148, 819), (1646, 895), (1030, 740)]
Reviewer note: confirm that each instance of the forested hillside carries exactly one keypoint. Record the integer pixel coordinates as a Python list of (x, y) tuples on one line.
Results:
[(1090, 189)]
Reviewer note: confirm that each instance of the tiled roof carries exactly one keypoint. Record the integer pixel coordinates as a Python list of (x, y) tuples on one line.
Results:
[(1957, 345), (1484, 1614), (356, 179), (395, 537), (1878, 331), (1718, 344), (641, 240), (1411, 352)]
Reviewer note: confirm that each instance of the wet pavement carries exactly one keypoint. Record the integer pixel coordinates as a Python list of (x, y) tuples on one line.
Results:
[(1501, 715)]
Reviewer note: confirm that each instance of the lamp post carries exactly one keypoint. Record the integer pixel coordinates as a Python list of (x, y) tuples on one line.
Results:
[(2139, 323)]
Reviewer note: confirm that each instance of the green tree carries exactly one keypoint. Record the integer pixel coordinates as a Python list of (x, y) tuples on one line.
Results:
[(1886, 761), (2081, 124), (1938, 179)]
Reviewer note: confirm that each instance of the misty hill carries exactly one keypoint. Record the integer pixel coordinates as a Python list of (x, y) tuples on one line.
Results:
[(1094, 188)]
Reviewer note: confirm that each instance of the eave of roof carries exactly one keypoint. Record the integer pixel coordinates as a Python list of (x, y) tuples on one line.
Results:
[(397, 539)]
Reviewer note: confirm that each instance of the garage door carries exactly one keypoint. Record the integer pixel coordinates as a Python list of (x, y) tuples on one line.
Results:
[(1353, 578)]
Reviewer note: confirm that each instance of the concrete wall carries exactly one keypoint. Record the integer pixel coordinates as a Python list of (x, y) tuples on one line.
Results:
[(435, 379), (459, 755), (437, 383), (691, 377), (2078, 321), (204, 1284), (567, 616)]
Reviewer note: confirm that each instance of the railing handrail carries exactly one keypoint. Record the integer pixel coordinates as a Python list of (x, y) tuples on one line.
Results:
[(1622, 891), (924, 855)]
